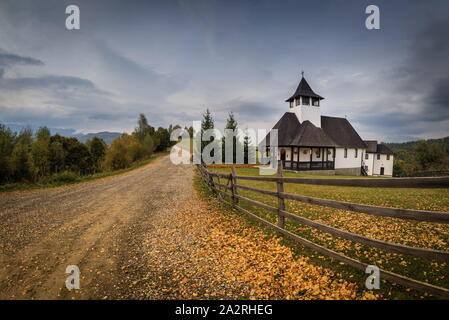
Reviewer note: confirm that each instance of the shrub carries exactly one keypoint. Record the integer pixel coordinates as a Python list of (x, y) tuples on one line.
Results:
[(63, 177)]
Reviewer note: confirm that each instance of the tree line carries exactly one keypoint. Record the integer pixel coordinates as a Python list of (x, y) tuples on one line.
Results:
[(421, 158), (237, 142), (41, 157)]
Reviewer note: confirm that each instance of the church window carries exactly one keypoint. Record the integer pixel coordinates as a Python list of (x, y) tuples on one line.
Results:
[(306, 101), (356, 153), (316, 102), (346, 152)]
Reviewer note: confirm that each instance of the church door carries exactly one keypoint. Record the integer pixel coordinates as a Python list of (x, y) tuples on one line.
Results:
[(283, 158), (382, 170)]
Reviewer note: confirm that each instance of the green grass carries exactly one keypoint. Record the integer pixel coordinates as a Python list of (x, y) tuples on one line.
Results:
[(412, 233), (76, 179)]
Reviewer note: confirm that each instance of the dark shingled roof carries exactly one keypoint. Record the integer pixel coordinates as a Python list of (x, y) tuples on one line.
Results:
[(371, 146), (383, 149), (309, 135), (334, 132), (342, 132), (293, 133), (374, 147), (304, 90)]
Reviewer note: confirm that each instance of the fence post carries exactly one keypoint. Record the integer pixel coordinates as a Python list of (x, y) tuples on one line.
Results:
[(212, 184), (281, 203), (235, 200)]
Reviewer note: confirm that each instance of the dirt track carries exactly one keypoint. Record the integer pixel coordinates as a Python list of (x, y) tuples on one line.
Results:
[(98, 226)]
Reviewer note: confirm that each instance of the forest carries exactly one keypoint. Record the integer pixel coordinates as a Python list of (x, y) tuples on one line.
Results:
[(421, 158), (40, 157)]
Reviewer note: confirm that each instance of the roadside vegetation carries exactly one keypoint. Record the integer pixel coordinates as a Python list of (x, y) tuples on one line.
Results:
[(411, 233), (29, 160)]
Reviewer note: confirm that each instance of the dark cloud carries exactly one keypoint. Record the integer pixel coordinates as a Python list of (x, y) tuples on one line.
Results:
[(439, 98), (46, 82), (252, 109), (425, 71), (10, 59)]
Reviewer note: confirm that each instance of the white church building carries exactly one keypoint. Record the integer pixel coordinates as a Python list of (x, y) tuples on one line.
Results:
[(312, 143)]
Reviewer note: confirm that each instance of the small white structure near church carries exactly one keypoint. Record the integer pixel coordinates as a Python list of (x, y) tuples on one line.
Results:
[(312, 143)]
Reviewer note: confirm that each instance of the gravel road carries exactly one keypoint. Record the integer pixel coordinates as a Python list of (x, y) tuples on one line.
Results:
[(99, 226)]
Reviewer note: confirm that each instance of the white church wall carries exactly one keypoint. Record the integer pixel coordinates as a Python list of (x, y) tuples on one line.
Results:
[(350, 161), (304, 154), (315, 157), (383, 163), (311, 113)]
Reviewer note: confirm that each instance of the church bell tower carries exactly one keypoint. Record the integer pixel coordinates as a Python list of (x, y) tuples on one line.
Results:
[(305, 103)]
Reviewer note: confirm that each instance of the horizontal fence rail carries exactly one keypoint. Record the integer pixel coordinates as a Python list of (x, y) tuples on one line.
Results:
[(430, 216), (419, 215), (420, 182)]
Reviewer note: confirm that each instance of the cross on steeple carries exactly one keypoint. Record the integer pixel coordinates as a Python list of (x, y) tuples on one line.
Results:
[(302, 73)]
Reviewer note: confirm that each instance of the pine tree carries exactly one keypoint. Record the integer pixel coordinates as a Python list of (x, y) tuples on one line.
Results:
[(231, 124), (206, 124)]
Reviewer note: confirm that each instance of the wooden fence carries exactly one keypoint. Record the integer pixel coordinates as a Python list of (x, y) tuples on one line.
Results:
[(230, 190)]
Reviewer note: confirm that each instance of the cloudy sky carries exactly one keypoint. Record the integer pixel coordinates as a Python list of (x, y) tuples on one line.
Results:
[(173, 59)]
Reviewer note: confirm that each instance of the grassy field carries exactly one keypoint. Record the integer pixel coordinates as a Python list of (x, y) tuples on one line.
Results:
[(412, 233), (76, 179)]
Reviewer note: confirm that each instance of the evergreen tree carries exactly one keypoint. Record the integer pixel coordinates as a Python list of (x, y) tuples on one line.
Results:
[(231, 124), (206, 124), (246, 147)]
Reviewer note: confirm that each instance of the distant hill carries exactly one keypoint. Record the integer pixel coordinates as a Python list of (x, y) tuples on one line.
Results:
[(410, 145), (421, 158), (108, 137)]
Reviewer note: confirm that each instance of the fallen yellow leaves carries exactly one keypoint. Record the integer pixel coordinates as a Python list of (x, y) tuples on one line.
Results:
[(222, 257)]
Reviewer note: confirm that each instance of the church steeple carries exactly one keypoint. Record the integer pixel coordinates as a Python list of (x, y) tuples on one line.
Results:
[(305, 91), (305, 103)]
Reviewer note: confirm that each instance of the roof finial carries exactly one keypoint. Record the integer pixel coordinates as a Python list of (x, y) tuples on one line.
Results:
[(302, 73)]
